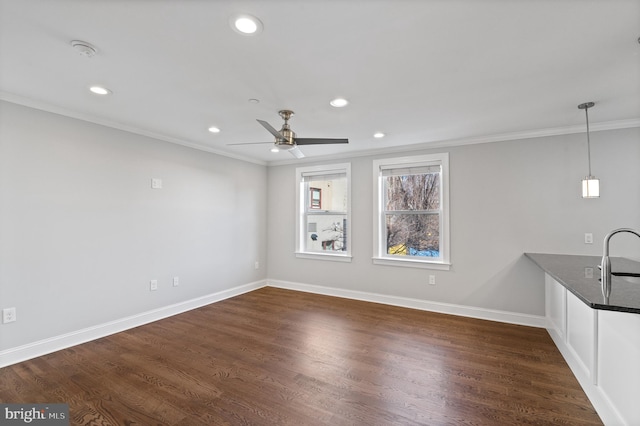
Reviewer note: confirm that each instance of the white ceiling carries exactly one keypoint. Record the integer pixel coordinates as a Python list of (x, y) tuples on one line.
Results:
[(431, 73)]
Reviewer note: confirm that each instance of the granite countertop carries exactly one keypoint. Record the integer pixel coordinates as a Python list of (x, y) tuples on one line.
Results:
[(581, 276)]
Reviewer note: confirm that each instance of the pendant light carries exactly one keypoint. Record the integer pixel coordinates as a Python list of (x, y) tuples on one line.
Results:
[(590, 184)]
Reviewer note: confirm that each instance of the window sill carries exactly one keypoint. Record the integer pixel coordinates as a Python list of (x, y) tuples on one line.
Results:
[(411, 263), (324, 256)]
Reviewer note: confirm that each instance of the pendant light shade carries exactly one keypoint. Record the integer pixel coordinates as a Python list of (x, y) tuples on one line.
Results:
[(590, 187), (590, 184)]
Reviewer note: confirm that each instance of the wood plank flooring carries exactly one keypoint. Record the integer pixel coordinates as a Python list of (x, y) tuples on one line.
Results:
[(278, 357)]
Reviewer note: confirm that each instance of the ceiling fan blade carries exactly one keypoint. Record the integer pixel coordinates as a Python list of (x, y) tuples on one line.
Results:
[(295, 151), (248, 143), (271, 130), (316, 141)]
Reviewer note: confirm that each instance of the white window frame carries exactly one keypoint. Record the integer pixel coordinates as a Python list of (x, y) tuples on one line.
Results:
[(380, 255), (301, 198)]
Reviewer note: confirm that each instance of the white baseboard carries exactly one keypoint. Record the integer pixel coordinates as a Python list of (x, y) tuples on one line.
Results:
[(56, 343), (424, 305)]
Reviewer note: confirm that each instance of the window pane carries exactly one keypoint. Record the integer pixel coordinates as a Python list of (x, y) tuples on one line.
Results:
[(331, 193), (326, 232), (412, 211), (316, 195), (413, 234), (412, 192), (323, 204)]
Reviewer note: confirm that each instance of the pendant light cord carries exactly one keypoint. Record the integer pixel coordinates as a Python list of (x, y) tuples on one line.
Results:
[(586, 113)]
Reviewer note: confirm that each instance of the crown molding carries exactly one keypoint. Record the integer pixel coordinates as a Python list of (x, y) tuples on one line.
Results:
[(500, 137), (47, 107), (448, 143)]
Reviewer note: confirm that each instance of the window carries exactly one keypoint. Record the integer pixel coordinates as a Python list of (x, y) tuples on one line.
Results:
[(411, 208), (316, 198), (323, 200)]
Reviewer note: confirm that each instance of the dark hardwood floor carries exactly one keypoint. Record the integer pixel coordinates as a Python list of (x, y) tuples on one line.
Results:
[(278, 357)]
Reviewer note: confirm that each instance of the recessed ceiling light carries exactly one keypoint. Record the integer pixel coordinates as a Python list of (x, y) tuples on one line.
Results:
[(254, 101), (274, 149), (246, 24), (214, 129), (339, 102), (378, 135), (99, 90)]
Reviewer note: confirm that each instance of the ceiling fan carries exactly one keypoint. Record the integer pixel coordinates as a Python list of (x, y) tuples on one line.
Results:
[(286, 138)]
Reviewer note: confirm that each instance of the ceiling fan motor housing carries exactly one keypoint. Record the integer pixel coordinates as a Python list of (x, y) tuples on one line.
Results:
[(289, 135), (286, 131)]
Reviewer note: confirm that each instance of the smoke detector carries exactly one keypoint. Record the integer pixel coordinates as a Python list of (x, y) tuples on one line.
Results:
[(84, 48)]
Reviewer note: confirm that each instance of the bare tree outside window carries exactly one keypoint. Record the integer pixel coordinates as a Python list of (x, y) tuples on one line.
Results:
[(411, 214), (412, 208)]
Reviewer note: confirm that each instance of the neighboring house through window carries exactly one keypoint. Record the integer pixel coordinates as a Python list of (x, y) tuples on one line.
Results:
[(316, 198), (411, 208), (323, 200)]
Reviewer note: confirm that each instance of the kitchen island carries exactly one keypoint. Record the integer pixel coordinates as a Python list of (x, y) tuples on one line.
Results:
[(599, 338)]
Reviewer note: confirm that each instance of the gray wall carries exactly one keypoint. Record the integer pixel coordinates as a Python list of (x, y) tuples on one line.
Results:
[(82, 233), (507, 198)]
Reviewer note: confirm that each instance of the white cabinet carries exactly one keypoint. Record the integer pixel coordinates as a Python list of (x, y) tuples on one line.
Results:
[(581, 333), (619, 362), (602, 349), (555, 303)]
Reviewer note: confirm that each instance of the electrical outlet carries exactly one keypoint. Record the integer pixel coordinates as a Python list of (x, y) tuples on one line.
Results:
[(153, 285), (256, 265), (588, 238), (8, 315), (432, 280), (176, 281), (156, 183)]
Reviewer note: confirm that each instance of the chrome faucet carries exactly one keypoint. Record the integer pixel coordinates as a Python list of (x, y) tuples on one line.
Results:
[(605, 267)]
